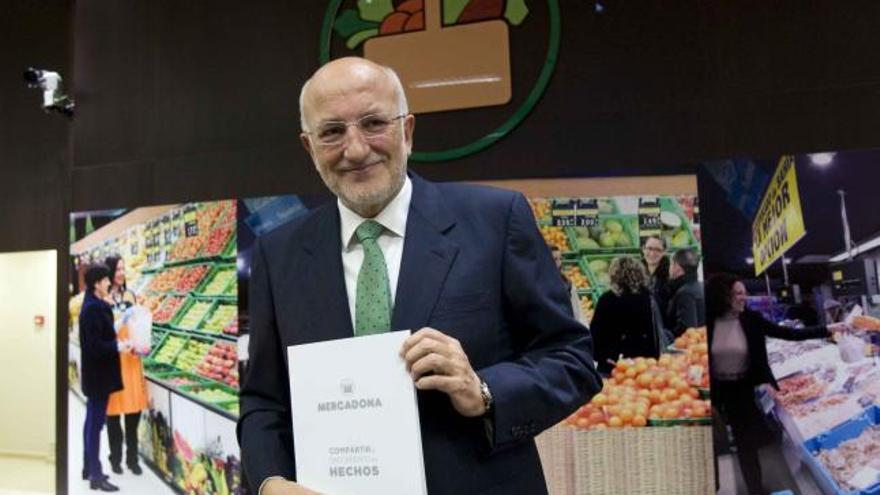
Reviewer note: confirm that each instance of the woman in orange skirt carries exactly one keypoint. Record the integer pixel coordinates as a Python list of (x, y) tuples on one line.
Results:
[(132, 399)]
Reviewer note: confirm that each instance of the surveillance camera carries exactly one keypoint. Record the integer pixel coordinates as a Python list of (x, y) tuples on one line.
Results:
[(47, 80), (50, 83)]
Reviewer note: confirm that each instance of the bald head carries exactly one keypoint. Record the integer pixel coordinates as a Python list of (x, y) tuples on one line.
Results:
[(344, 74)]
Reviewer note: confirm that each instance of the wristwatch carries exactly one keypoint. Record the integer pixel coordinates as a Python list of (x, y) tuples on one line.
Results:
[(486, 395)]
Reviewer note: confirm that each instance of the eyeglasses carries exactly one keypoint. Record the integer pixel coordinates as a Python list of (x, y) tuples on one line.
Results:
[(332, 133)]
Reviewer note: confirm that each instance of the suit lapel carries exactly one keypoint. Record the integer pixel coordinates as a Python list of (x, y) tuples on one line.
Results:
[(427, 257), (330, 316)]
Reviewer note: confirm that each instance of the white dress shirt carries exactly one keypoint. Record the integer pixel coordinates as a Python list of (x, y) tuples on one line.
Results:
[(393, 218)]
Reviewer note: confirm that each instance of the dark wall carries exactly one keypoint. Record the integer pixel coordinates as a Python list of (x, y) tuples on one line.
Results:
[(189, 100), (33, 145)]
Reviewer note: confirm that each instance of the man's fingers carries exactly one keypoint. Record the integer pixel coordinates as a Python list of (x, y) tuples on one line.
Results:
[(446, 384), (432, 363), (424, 348), (422, 334)]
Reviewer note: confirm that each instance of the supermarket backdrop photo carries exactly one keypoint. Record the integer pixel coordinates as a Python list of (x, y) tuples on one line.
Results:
[(801, 232), (176, 303)]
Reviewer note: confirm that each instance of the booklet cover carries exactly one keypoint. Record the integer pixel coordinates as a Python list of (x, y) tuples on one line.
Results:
[(355, 417)]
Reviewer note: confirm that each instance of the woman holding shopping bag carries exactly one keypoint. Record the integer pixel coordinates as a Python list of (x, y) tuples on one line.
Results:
[(132, 399)]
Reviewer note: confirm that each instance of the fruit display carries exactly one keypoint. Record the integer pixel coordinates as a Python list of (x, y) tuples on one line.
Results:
[(168, 309), (191, 278), (219, 281), (587, 307), (541, 209), (231, 289), (179, 381), (221, 364), (166, 280), (555, 236), (186, 248), (232, 328), (599, 267), (194, 315), (674, 230), (172, 345), (151, 301), (574, 274), (192, 354), (212, 395), (217, 240), (642, 392), (610, 233), (221, 318)]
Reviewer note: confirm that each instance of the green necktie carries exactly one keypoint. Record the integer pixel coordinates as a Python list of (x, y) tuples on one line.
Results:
[(372, 310)]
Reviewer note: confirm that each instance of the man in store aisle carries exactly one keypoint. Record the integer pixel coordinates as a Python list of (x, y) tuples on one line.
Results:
[(496, 355), (686, 308)]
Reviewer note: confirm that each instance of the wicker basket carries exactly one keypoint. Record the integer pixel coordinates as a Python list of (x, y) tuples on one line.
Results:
[(644, 461)]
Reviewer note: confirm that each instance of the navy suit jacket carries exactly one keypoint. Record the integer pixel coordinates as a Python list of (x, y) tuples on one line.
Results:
[(475, 267)]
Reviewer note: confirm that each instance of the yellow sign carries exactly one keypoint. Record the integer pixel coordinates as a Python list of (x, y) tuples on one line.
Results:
[(779, 223)]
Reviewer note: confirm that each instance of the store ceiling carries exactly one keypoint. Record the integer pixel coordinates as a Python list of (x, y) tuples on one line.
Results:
[(727, 232)]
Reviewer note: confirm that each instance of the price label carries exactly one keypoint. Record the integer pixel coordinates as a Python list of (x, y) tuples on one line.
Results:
[(190, 222), (564, 212), (587, 212), (649, 217)]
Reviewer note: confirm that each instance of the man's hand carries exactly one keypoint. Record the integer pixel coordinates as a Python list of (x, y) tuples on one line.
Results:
[(284, 487), (437, 362)]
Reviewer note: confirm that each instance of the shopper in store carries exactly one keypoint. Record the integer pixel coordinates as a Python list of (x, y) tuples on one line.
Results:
[(132, 399), (626, 322), (572, 290), (657, 264), (686, 307), (100, 369), (739, 363), (473, 267)]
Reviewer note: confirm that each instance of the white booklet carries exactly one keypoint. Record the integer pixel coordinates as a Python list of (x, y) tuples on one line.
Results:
[(355, 417)]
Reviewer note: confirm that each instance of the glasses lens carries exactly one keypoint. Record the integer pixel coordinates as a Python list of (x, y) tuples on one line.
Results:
[(331, 132), (374, 125)]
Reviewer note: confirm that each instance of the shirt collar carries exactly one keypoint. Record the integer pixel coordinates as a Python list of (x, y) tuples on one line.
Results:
[(392, 217)]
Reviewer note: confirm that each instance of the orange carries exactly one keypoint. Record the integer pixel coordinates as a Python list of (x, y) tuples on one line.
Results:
[(670, 413), (600, 399), (582, 423), (626, 415), (639, 420), (615, 422)]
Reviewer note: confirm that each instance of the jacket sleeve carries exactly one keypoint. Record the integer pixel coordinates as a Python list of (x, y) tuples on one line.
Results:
[(771, 329), (264, 427), (685, 313), (553, 374), (94, 344)]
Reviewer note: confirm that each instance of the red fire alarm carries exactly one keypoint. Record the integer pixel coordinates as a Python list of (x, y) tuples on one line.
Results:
[(39, 320)]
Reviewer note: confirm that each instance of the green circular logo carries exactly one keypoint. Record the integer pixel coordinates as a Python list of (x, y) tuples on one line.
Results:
[(531, 99)]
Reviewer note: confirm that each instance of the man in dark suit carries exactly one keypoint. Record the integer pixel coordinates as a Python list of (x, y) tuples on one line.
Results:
[(686, 306), (496, 355)]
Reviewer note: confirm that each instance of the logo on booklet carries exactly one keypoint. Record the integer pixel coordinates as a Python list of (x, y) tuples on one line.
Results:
[(347, 386)]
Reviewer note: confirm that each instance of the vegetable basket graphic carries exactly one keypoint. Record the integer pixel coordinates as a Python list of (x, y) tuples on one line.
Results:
[(448, 67)]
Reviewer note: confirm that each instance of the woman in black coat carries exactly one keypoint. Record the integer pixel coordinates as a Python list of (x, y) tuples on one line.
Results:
[(738, 359), (623, 322), (100, 369)]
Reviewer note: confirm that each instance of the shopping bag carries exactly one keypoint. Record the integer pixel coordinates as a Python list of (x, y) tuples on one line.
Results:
[(451, 67), (140, 329)]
